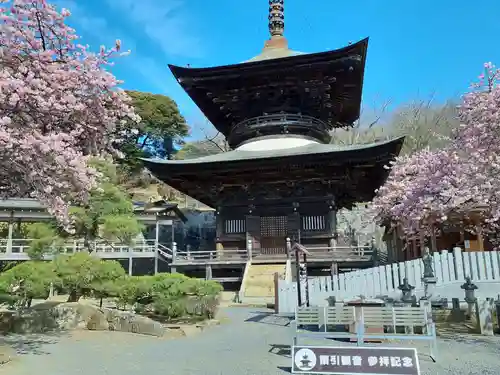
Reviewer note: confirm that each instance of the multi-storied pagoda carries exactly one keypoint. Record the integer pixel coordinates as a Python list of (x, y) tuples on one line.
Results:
[(282, 178)]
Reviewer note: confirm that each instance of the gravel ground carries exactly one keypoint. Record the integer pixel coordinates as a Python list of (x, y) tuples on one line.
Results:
[(249, 341)]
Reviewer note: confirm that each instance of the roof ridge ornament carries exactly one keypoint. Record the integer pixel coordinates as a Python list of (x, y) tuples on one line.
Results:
[(276, 17)]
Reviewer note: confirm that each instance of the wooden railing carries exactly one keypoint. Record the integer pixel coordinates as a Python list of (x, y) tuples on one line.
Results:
[(327, 254), (20, 246), (342, 254), (206, 256)]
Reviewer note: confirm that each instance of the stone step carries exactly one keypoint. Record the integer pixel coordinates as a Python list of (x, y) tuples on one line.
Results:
[(260, 280)]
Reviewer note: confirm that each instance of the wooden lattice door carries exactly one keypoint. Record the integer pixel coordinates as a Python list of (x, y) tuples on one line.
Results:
[(273, 231)]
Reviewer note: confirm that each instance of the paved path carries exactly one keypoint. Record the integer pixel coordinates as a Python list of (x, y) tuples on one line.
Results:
[(250, 342)]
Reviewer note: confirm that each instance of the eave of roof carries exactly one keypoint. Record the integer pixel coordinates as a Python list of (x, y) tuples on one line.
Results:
[(295, 59), (244, 155)]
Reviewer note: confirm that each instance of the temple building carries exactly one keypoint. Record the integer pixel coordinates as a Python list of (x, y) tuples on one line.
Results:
[(282, 179), (463, 229)]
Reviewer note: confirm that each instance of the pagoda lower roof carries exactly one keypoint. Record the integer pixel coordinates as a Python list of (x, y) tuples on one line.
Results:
[(325, 85), (225, 159), (204, 178)]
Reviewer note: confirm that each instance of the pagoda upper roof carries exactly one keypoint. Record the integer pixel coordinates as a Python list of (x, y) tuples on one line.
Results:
[(205, 178), (325, 85)]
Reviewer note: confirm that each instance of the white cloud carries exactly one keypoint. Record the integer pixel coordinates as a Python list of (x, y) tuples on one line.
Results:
[(165, 22)]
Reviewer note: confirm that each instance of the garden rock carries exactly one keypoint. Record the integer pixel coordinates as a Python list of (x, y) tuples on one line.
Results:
[(74, 315), (130, 322), (98, 322), (51, 316)]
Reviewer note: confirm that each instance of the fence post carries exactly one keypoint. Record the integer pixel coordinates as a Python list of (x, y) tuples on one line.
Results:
[(276, 293), (360, 325), (173, 269), (249, 249), (322, 318), (459, 264)]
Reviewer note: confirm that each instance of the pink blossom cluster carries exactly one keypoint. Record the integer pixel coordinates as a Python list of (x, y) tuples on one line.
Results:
[(428, 186), (59, 106)]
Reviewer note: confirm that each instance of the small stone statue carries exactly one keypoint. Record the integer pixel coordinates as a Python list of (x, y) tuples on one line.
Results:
[(406, 289), (427, 260)]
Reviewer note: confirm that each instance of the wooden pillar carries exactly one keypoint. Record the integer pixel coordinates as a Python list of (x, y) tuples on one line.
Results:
[(332, 227), (157, 236), (422, 241), (394, 254), (480, 238), (253, 233), (219, 230), (334, 270), (293, 224), (414, 249), (462, 233), (130, 262), (9, 236), (208, 272), (276, 293), (249, 248), (173, 269), (433, 239), (297, 270), (288, 248)]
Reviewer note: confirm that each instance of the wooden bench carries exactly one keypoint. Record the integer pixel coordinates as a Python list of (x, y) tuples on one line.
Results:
[(399, 324), (326, 319)]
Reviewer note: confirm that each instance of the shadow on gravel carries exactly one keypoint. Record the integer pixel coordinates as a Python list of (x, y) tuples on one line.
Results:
[(268, 318), (281, 350), (285, 369), (34, 344)]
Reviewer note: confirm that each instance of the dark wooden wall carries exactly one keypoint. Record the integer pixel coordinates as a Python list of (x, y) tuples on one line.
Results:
[(313, 225)]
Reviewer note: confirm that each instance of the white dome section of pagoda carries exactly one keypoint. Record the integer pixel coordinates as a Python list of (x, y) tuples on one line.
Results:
[(276, 143)]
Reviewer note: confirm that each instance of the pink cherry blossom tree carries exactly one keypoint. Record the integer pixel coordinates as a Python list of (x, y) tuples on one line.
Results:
[(426, 187), (59, 106)]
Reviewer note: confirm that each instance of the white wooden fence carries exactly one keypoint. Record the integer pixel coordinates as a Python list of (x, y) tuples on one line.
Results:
[(450, 268)]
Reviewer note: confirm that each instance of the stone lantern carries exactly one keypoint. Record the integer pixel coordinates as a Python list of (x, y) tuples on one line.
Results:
[(406, 290), (469, 288), (470, 297)]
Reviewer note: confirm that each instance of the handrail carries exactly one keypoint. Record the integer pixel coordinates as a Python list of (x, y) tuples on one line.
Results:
[(277, 124), (21, 245), (354, 253), (280, 119), (209, 254)]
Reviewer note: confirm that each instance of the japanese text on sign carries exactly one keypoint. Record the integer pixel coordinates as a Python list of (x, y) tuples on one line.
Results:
[(355, 360)]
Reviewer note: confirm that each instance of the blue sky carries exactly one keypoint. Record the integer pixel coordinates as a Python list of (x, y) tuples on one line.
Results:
[(418, 48)]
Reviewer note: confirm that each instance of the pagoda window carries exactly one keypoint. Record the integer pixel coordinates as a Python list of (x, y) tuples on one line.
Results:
[(234, 226), (311, 223)]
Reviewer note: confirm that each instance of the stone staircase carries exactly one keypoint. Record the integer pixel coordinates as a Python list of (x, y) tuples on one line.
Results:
[(259, 281)]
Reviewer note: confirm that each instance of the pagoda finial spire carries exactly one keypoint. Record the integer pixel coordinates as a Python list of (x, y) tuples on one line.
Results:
[(276, 17)]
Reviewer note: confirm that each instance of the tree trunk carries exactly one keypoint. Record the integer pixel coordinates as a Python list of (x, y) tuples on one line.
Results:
[(74, 296), (86, 244), (100, 303)]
